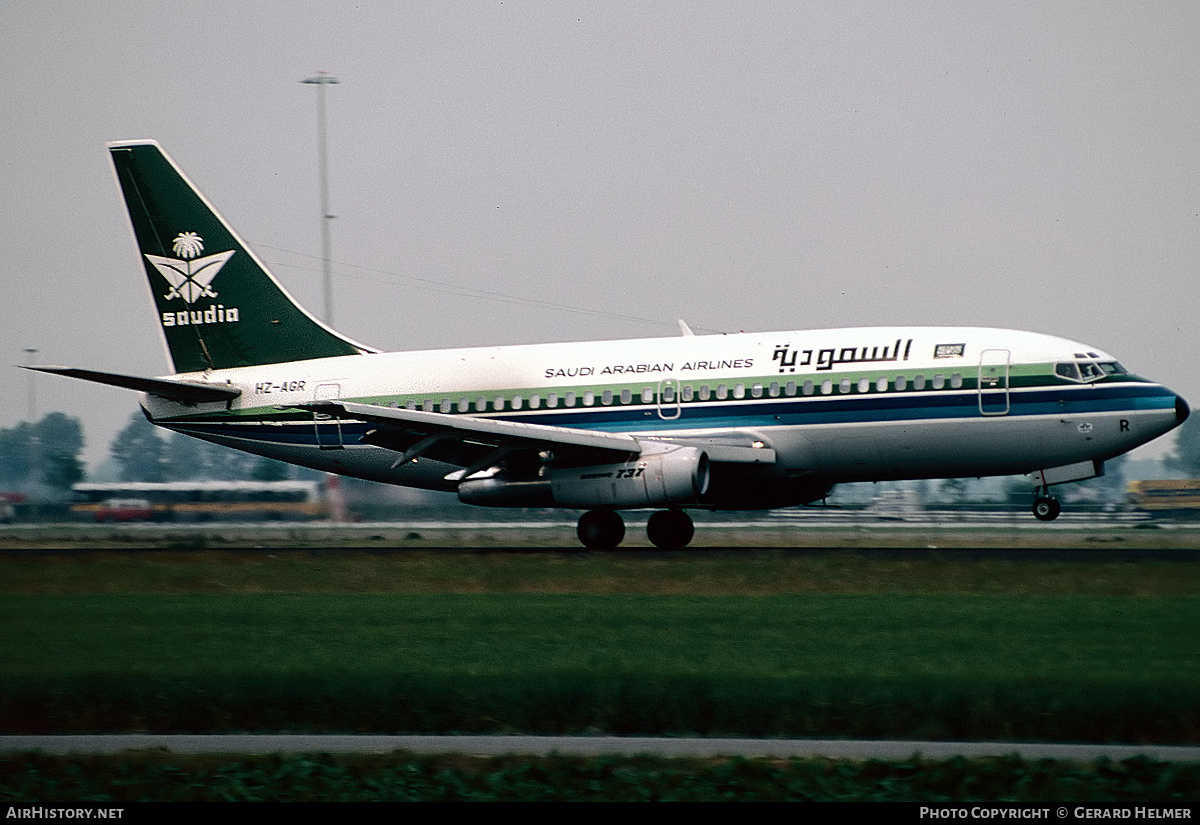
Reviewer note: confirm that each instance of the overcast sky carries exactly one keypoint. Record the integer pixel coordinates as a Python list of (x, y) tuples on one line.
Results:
[(513, 172)]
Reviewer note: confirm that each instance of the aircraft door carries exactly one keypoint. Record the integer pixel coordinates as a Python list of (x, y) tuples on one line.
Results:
[(668, 399), (993, 381), (328, 427)]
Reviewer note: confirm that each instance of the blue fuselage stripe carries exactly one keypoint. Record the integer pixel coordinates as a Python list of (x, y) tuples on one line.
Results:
[(767, 412)]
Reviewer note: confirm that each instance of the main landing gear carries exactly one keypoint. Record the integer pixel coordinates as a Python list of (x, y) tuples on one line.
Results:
[(600, 529), (1046, 508), (604, 529)]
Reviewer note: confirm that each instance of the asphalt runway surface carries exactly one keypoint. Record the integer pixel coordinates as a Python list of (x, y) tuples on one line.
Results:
[(583, 746), (1081, 540)]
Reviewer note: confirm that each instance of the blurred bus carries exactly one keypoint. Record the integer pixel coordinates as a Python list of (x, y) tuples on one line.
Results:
[(201, 501), (1166, 497)]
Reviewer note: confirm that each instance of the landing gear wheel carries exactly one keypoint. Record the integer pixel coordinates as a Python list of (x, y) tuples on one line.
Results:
[(670, 529), (1046, 508), (600, 529)]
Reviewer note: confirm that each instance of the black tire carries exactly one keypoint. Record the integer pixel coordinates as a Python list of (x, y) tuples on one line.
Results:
[(670, 529), (1046, 509), (600, 529)]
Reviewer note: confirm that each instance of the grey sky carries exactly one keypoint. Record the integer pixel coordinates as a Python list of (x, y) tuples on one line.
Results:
[(745, 166)]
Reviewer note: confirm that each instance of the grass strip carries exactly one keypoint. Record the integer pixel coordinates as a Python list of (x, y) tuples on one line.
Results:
[(1071, 668), (740, 572), (31, 779)]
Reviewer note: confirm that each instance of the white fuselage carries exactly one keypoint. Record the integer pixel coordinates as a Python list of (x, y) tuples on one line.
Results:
[(834, 405)]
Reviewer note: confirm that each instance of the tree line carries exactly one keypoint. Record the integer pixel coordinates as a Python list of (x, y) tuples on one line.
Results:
[(45, 456), (144, 453)]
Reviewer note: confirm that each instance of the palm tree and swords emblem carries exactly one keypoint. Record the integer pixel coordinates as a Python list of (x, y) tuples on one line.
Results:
[(189, 275)]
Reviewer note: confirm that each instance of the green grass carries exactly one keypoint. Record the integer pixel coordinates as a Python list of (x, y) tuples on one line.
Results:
[(1093, 668), (933, 646), (127, 779), (743, 572)]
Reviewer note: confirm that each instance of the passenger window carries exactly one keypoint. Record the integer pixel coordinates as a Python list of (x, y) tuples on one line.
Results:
[(589, 398), (919, 382), (687, 392), (756, 390), (516, 402), (955, 380), (844, 385), (881, 384), (427, 405), (827, 386), (569, 399), (668, 394), (739, 390), (498, 403), (464, 404), (647, 395), (789, 389), (410, 404), (808, 388), (901, 383), (722, 391), (535, 401), (705, 392), (626, 396), (864, 385), (939, 381), (606, 398), (445, 406), (773, 389), (552, 400)]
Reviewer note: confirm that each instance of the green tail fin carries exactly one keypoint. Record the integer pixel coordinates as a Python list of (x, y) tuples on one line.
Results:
[(218, 305)]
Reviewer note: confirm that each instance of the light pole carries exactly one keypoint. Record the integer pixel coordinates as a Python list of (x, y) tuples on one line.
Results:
[(321, 80), (31, 412), (31, 398)]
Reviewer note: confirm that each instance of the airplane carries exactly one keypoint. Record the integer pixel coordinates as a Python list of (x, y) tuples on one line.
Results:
[(750, 421)]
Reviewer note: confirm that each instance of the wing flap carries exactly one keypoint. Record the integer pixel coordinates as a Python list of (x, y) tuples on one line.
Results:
[(416, 432), (488, 431)]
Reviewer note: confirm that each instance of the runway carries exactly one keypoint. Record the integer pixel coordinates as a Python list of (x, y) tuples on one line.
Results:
[(584, 746)]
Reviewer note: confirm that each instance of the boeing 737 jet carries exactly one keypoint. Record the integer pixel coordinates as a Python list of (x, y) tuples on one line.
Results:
[(710, 422)]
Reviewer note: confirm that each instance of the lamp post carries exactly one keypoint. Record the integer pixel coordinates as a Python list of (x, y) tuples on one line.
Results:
[(321, 80), (31, 398), (31, 412)]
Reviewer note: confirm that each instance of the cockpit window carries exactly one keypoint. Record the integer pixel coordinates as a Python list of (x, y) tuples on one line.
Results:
[(1087, 369), (1068, 371)]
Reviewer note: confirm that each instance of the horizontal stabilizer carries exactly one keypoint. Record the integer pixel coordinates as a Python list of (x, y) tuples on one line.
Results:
[(184, 392)]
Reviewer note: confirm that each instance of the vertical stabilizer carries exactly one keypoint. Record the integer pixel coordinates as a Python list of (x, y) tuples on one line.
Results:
[(217, 304)]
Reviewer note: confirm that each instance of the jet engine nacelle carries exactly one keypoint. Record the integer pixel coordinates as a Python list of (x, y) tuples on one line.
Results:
[(676, 475)]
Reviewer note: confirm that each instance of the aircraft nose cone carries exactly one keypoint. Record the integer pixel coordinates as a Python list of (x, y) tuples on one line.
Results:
[(1182, 410)]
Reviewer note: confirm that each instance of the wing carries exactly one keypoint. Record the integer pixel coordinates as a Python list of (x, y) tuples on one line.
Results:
[(475, 443)]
